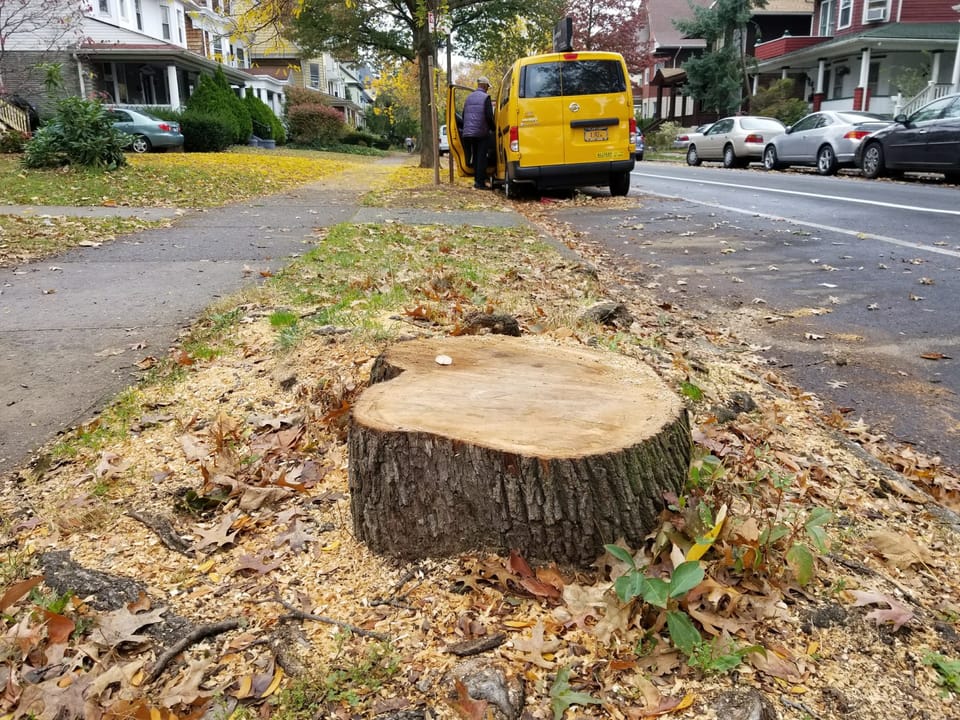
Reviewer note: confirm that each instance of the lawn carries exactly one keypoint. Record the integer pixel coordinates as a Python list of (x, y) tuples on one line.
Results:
[(172, 179)]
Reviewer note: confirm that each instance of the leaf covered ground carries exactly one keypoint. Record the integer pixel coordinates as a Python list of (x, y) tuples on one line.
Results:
[(211, 507)]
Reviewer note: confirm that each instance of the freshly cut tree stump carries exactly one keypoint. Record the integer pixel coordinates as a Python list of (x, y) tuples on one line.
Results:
[(517, 443)]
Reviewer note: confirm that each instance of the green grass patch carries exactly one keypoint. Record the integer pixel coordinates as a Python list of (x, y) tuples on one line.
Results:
[(24, 238)]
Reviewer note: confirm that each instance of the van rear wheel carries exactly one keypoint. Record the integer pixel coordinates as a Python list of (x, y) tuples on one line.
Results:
[(619, 184)]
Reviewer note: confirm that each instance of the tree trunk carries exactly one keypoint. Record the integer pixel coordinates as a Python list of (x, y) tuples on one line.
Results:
[(517, 444)]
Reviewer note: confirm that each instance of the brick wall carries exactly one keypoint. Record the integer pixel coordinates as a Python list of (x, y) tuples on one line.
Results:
[(22, 77)]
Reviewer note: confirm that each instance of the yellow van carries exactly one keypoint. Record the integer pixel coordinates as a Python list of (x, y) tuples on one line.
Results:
[(563, 120)]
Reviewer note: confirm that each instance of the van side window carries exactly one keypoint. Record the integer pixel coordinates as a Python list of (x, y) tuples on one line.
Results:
[(505, 88), (540, 80), (593, 77)]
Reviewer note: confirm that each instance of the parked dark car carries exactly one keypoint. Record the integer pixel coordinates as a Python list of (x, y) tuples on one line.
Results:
[(641, 146), (927, 141), (828, 140), (148, 132)]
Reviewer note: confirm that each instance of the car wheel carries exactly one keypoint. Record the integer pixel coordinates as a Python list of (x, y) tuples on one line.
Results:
[(952, 177), (873, 160), (826, 161), (509, 188), (693, 158), (729, 157), (619, 184), (770, 161), (140, 144)]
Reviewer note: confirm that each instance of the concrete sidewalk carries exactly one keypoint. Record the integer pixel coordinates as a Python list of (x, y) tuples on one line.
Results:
[(72, 327)]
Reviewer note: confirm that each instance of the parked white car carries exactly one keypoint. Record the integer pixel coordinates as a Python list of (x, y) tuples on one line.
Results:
[(827, 140), (735, 141), (444, 145)]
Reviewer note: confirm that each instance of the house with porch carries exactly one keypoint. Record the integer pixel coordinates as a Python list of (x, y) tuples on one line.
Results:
[(661, 84), (136, 53), (866, 54)]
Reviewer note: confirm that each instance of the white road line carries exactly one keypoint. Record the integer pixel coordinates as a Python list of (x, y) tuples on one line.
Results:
[(817, 226), (914, 208)]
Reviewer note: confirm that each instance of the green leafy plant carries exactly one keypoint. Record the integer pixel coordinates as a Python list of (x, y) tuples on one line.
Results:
[(716, 656), (662, 593), (79, 133), (688, 389), (562, 696), (949, 670)]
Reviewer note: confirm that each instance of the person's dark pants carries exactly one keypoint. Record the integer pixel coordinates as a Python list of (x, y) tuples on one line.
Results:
[(479, 151)]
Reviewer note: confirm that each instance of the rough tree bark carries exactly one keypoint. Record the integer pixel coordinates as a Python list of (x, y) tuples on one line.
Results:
[(517, 444)]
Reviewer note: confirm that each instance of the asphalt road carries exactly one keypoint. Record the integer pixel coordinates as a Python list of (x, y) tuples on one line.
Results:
[(843, 283)]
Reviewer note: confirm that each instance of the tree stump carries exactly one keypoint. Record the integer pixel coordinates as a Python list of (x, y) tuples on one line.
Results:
[(517, 444)]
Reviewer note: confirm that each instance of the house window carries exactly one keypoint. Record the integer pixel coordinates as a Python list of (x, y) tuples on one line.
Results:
[(124, 10), (828, 12), (315, 75), (846, 13), (164, 22), (239, 54), (180, 25), (138, 10), (875, 11), (873, 79), (104, 7)]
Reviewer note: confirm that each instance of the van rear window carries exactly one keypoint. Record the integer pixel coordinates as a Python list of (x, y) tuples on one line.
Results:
[(577, 77)]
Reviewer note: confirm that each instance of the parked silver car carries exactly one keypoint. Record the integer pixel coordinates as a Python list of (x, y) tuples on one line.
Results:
[(146, 131), (827, 140), (735, 141)]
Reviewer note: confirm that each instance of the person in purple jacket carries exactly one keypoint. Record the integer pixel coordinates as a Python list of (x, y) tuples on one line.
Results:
[(478, 130)]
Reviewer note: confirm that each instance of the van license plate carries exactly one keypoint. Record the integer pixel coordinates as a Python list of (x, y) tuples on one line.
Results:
[(594, 134)]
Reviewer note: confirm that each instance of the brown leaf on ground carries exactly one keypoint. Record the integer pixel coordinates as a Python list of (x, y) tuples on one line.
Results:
[(897, 614), (899, 550), (121, 626), (534, 647), (17, 591)]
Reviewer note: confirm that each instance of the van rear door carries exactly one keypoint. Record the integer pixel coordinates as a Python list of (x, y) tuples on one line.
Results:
[(541, 125), (595, 112)]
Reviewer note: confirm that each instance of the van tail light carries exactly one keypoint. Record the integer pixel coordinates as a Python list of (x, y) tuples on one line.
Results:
[(165, 127), (633, 131), (856, 134), (754, 138), (514, 138)]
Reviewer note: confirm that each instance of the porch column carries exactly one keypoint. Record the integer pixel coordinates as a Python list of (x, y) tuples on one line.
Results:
[(818, 93), (860, 100), (935, 66), (173, 87), (783, 75), (755, 87), (955, 78)]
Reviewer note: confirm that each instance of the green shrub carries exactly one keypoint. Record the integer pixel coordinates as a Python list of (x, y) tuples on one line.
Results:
[(261, 116), (79, 133), (205, 133), (214, 96), (13, 141), (279, 131), (365, 139), (315, 124), (778, 101), (662, 138)]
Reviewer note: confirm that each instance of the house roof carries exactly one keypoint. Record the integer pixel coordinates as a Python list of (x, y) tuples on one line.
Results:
[(661, 14), (106, 42), (785, 7)]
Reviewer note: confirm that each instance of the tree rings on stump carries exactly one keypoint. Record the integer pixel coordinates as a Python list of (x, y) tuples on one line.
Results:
[(515, 443)]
